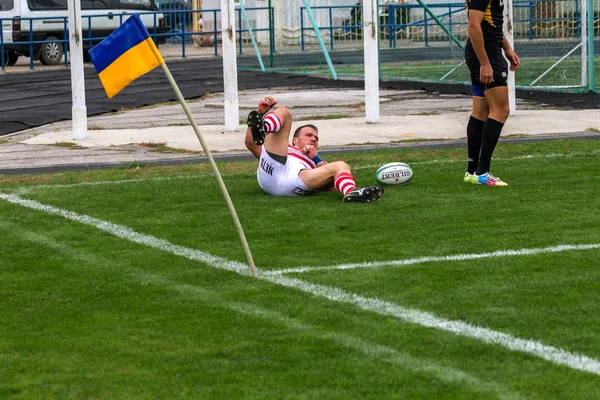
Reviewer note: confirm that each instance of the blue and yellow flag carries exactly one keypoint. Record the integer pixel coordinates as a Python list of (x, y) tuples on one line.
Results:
[(125, 55)]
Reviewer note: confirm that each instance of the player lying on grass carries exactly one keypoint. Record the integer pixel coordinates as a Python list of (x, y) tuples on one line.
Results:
[(297, 169)]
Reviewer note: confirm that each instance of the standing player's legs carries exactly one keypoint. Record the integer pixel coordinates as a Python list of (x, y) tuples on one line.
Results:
[(478, 116), (497, 99), (496, 96), (475, 133)]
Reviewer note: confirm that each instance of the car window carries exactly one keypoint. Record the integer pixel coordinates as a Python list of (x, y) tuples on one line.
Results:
[(173, 5), (6, 5), (101, 4), (87, 4), (136, 5), (47, 4)]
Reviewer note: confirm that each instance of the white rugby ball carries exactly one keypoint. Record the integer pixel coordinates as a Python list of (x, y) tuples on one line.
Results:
[(394, 173)]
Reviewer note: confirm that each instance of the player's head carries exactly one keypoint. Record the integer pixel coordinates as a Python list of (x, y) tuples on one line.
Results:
[(305, 135)]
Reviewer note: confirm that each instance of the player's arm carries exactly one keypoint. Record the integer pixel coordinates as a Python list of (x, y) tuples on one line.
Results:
[(254, 148), (311, 152), (319, 161), (512, 57), (486, 73)]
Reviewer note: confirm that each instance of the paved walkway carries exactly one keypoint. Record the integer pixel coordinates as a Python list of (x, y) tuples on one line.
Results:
[(162, 134)]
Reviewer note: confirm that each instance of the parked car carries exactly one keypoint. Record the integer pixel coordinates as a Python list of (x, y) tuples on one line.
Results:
[(24, 21)]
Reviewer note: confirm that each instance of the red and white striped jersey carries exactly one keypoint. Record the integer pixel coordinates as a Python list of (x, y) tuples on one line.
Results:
[(298, 160)]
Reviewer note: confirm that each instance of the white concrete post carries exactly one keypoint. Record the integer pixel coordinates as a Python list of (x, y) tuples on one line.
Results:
[(508, 33), (79, 110), (232, 112), (370, 32)]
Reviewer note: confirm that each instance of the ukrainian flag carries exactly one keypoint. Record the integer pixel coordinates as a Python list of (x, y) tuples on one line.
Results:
[(125, 55)]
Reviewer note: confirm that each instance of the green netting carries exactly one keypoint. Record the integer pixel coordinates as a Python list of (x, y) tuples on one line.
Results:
[(413, 45)]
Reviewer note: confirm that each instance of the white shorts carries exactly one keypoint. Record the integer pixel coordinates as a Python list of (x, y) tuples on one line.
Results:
[(279, 179)]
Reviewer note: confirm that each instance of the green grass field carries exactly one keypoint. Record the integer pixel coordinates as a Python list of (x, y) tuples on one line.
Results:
[(130, 283)]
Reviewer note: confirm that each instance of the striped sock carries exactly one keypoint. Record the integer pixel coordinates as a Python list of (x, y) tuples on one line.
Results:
[(344, 182), (272, 122)]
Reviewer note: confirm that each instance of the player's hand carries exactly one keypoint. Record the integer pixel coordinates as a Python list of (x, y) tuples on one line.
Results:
[(514, 60), (265, 104), (310, 151), (486, 74)]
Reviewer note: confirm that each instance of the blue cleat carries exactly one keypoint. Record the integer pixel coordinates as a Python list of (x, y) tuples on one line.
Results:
[(488, 179)]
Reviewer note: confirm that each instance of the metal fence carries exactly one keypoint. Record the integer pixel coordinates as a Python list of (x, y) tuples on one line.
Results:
[(413, 44)]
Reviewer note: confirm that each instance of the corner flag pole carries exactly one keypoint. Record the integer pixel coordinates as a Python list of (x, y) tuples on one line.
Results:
[(128, 53), (236, 220)]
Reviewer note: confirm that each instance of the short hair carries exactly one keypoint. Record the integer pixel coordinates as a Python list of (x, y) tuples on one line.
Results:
[(297, 131)]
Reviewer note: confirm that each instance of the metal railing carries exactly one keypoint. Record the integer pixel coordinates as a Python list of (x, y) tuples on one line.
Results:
[(62, 36)]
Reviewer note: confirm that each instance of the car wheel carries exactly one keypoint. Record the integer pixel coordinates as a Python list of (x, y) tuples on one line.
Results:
[(12, 58), (51, 53)]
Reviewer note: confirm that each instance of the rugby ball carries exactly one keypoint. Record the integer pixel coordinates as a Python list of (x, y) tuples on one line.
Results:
[(394, 173)]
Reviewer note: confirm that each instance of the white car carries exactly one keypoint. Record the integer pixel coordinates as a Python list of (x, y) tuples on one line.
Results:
[(39, 28)]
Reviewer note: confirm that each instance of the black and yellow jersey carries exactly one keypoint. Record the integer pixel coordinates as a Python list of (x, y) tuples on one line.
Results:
[(493, 18)]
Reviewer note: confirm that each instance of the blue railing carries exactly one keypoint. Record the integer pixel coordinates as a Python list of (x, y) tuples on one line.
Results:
[(63, 35), (395, 10), (179, 31), (531, 20), (393, 22), (387, 20), (390, 26), (183, 34), (31, 43)]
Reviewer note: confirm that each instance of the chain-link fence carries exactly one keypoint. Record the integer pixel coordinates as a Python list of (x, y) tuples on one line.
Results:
[(424, 41)]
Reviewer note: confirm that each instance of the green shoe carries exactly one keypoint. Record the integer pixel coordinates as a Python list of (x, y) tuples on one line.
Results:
[(470, 178)]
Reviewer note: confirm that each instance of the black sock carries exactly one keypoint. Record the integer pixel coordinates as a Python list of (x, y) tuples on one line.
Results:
[(474, 133), (491, 133)]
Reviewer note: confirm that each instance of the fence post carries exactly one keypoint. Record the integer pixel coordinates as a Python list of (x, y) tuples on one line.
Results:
[(271, 34), (425, 28), (216, 41), (302, 28), (531, 20), (590, 43), (331, 28)]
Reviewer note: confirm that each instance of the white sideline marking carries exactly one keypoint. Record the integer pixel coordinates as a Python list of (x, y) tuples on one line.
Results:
[(429, 320), (523, 157), (425, 319), (384, 353), (28, 189), (131, 235), (457, 257)]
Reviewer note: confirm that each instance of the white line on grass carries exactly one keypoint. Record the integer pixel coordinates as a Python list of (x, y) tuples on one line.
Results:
[(429, 320), (425, 319), (131, 235), (523, 157), (28, 189), (384, 353), (457, 257), (376, 351)]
